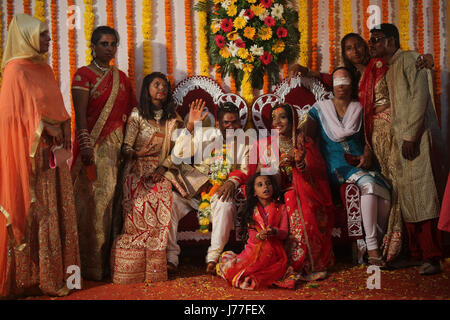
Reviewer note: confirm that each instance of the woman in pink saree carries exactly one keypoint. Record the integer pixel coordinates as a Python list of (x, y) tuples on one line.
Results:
[(103, 98)]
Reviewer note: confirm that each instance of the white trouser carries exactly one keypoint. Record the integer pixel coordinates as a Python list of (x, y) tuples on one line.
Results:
[(222, 217), (375, 211)]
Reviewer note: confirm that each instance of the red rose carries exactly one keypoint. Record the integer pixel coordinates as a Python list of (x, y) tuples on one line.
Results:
[(266, 3), (249, 13), (281, 33), (240, 43), (269, 21), (220, 41), (266, 58), (226, 25)]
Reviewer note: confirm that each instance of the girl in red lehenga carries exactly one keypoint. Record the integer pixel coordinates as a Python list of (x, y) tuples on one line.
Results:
[(305, 185), (265, 224)]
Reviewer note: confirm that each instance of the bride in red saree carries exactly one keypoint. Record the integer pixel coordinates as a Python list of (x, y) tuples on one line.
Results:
[(307, 196), (103, 98)]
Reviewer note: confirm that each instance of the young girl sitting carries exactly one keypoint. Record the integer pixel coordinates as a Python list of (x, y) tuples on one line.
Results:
[(265, 225)]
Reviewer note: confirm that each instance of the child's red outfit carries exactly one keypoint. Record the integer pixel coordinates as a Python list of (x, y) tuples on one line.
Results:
[(262, 262)]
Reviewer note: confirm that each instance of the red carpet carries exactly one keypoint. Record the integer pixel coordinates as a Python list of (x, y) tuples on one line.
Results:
[(345, 282)]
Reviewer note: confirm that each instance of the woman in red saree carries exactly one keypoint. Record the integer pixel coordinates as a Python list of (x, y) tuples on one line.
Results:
[(265, 224), (139, 253), (103, 99), (38, 233), (306, 189)]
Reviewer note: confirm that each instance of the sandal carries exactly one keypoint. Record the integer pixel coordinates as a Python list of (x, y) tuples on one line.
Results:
[(377, 261)]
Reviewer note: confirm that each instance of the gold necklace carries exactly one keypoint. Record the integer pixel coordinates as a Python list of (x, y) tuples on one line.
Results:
[(286, 145), (158, 115)]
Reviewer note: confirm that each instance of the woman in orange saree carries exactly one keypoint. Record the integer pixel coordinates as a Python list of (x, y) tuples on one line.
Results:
[(307, 196), (38, 234), (139, 253), (103, 99)]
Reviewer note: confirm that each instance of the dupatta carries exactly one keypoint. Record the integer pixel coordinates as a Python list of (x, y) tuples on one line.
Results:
[(374, 72), (30, 95)]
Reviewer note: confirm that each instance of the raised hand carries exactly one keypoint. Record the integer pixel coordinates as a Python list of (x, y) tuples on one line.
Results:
[(196, 110)]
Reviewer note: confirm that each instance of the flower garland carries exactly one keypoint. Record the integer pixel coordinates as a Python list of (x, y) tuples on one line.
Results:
[(218, 76), (314, 33), (247, 89), (169, 45), (55, 41), (147, 16), (420, 25), (403, 24), (110, 19), (366, 31), (303, 30), (266, 87), (332, 35), (39, 10), (347, 16), (27, 7), (385, 9), (251, 38), (233, 88), (9, 11), (130, 42), (72, 59), (1, 42), (89, 21), (220, 167), (437, 58), (189, 38), (203, 40)]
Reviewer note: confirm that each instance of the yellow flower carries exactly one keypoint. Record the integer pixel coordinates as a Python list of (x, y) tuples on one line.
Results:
[(278, 47), (243, 53), (222, 176), (204, 222), (217, 1), (283, 21), (215, 27), (232, 35), (224, 53), (232, 10), (251, 1), (247, 67), (250, 58), (258, 10), (239, 23), (265, 33), (204, 205), (249, 32)]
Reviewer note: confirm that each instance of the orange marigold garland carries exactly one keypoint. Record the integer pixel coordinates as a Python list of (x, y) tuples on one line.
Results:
[(130, 42), (218, 75), (366, 31), (72, 58), (314, 33), (189, 39), (9, 11), (437, 57), (233, 88), (420, 26), (110, 19), (55, 38), (332, 35), (385, 10), (27, 7), (169, 44)]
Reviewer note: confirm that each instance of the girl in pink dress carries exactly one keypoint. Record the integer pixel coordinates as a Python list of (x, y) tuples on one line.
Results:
[(265, 225)]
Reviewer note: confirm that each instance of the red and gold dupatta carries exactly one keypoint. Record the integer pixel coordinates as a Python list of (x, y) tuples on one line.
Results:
[(374, 72)]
